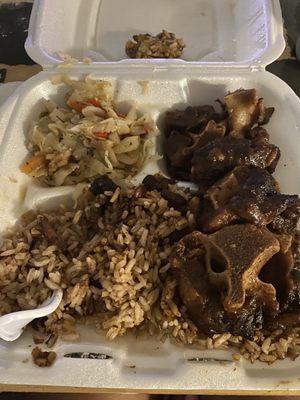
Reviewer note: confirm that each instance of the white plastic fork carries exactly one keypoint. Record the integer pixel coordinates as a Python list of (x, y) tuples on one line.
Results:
[(12, 324)]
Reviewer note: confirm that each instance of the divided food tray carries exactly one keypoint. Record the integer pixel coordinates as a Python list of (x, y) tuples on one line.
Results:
[(228, 45), (157, 367)]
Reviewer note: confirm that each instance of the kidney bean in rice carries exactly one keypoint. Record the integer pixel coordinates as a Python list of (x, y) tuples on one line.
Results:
[(110, 257)]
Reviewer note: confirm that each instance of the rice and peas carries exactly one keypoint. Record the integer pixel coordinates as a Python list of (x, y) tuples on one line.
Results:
[(110, 256), (110, 253)]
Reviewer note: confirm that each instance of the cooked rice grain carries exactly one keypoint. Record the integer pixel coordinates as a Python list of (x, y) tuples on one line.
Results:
[(110, 257), (118, 273)]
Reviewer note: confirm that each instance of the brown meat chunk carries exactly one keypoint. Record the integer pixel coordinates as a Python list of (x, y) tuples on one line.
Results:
[(179, 146), (199, 299), (202, 145), (278, 269), (235, 255), (287, 221), (162, 185), (290, 313), (258, 135), (292, 303), (283, 321), (43, 358), (213, 161), (234, 280), (192, 119), (296, 250), (249, 194), (157, 182), (204, 300), (245, 109), (233, 258)]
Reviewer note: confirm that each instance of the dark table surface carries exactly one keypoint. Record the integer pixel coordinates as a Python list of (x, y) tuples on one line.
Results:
[(288, 67)]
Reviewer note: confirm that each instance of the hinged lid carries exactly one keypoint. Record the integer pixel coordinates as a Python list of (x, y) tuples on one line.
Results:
[(230, 33)]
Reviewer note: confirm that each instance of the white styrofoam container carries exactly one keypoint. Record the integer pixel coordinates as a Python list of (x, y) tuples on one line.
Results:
[(73, 27), (239, 32)]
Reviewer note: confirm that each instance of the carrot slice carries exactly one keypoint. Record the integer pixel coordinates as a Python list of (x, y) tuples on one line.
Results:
[(94, 102), (76, 105), (103, 135), (32, 164)]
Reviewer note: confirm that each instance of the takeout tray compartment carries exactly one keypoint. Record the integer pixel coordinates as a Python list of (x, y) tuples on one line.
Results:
[(227, 31), (226, 40), (145, 364)]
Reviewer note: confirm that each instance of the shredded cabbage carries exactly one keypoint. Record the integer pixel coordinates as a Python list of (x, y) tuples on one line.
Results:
[(88, 137)]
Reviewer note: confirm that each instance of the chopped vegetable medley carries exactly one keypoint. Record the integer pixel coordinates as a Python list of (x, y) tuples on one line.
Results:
[(87, 138)]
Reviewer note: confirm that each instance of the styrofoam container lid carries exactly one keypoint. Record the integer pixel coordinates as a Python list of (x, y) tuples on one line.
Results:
[(234, 32)]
